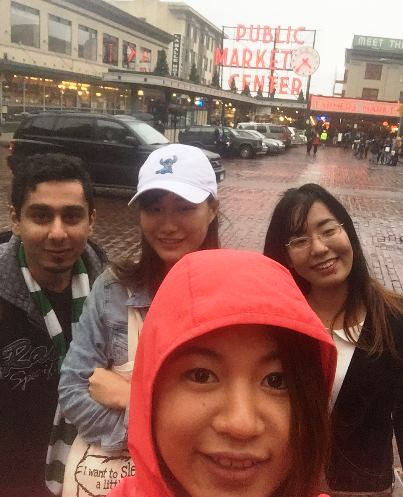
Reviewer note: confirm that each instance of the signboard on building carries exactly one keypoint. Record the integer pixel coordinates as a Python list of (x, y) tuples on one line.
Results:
[(260, 57), (377, 43), (176, 53), (354, 106)]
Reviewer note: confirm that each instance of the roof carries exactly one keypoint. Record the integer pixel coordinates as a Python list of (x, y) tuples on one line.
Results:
[(186, 8), (112, 13)]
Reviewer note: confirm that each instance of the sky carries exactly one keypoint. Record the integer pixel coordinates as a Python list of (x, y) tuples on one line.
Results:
[(336, 22)]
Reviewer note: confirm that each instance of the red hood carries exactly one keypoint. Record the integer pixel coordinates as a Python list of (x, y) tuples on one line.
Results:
[(205, 291)]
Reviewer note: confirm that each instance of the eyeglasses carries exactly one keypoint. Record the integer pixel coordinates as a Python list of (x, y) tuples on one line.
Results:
[(326, 235)]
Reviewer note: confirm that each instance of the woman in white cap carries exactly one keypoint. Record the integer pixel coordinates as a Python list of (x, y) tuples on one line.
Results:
[(178, 207)]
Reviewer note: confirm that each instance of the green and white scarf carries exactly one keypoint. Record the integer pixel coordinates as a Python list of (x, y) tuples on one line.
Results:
[(63, 432)]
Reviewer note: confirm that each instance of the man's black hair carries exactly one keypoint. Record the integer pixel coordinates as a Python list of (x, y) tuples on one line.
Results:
[(40, 168)]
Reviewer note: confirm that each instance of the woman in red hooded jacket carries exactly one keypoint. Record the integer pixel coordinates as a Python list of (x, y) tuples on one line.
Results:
[(231, 384)]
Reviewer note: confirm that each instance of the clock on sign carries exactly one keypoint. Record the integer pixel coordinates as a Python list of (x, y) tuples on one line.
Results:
[(305, 61)]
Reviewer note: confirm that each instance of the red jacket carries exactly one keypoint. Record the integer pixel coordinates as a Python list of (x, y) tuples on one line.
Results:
[(207, 290)]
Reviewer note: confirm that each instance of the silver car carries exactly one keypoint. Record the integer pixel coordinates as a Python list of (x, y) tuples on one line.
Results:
[(270, 145)]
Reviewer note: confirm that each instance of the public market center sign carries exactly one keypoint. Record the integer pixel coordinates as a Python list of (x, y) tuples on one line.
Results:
[(261, 57)]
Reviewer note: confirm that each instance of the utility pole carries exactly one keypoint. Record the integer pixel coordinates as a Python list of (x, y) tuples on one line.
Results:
[(1, 103), (308, 86)]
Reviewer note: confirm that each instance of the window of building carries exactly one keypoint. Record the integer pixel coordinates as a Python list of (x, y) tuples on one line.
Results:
[(370, 93), (24, 25), (110, 50), (205, 63), (59, 35), (207, 42), (210, 65), (145, 60), (345, 75), (129, 55), (373, 71), (87, 43), (75, 127), (401, 97), (188, 29), (194, 34)]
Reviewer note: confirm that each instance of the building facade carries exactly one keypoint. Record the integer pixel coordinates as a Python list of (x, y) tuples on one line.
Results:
[(374, 69), (195, 38), (53, 55)]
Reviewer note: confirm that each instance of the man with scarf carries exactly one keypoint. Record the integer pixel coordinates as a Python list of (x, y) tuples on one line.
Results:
[(46, 270)]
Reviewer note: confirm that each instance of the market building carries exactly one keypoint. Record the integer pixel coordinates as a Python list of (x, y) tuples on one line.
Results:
[(53, 55), (195, 38), (374, 69), (372, 88)]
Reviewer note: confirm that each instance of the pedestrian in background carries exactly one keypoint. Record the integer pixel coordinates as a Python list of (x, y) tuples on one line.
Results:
[(396, 150), (46, 270), (178, 205), (230, 387), (316, 142), (323, 137), (312, 234), (310, 135), (374, 148)]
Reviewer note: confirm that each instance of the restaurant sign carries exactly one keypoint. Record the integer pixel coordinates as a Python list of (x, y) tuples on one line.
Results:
[(377, 43), (354, 106), (269, 60)]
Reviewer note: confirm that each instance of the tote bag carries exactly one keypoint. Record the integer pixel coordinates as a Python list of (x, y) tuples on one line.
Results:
[(91, 471)]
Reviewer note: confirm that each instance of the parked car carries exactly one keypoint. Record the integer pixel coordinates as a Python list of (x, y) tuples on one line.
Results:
[(270, 145), (234, 141), (270, 130), (113, 148), (296, 137)]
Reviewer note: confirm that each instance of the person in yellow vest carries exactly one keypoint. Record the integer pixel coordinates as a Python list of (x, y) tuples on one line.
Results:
[(323, 138)]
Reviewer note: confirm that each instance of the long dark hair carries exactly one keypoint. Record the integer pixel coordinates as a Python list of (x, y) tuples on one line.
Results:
[(309, 430), (289, 219), (149, 271)]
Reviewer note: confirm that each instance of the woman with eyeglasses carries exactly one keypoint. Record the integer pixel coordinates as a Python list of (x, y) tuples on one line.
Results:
[(312, 234)]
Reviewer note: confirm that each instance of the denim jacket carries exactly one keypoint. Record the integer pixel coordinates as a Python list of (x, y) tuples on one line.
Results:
[(99, 341)]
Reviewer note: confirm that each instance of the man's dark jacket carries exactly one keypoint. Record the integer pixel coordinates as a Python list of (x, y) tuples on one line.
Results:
[(28, 377)]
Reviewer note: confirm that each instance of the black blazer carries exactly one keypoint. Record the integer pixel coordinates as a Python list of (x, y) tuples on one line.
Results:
[(367, 410)]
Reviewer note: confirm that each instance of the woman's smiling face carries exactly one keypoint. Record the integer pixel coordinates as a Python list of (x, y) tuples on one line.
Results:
[(175, 227), (326, 262), (222, 415)]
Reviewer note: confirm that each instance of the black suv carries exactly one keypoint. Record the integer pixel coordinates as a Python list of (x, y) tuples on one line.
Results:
[(112, 147), (236, 142)]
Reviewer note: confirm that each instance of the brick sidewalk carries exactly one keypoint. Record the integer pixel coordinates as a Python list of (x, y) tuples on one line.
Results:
[(373, 196)]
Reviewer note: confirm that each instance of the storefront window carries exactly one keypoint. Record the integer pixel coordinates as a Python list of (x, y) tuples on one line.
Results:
[(145, 60), (129, 55), (59, 35), (24, 25), (110, 50), (31, 94), (87, 43)]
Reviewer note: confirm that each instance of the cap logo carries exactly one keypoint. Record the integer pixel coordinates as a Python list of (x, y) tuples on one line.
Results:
[(167, 165)]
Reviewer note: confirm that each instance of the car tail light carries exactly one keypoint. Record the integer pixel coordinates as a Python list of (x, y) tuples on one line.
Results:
[(11, 146)]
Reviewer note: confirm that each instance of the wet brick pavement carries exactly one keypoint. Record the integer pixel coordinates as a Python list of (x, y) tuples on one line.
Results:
[(372, 195)]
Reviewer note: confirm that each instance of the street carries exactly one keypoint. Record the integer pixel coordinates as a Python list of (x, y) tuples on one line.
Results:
[(373, 196)]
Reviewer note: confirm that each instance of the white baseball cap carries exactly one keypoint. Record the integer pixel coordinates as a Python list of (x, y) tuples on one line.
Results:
[(180, 169)]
